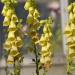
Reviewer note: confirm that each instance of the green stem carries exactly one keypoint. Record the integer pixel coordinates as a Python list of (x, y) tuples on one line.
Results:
[(6, 68), (36, 61), (14, 68)]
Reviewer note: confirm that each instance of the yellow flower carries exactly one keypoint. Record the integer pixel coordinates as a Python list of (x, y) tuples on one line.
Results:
[(72, 46), (9, 13), (12, 26), (72, 27), (19, 42), (7, 45), (69, 40), (30, 19), (27, 5), (14, 18), (42, 60), (6, 21), (68, 31), (71, 52), (10, 59), (31, 10), (11, 36), (13, 51), (36, 14), (71, 17), (70, 7)]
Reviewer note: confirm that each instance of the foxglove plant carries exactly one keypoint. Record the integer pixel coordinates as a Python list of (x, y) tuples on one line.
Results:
[(13, 42)]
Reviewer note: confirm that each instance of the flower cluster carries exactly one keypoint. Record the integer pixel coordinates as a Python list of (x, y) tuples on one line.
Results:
[(70, 30), (45, 42), (32, 20), (33, 25), (70, 34), (13, 42)]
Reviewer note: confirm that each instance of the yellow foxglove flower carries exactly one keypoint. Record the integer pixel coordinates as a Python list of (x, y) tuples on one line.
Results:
[(31, 10), (14, 18), (74, 9), (47, 60), (12, 26), (9, 13), (71, 53), (11, 36), (7, 45), (43, 41), (72, 46), (27, 5), (42, 60), (72, 27), (69, 41), (17, 56), (6, 21), (45, 54), (36, 14), (71, 17), (44, 49), (10, 59), (5, 9), (13, 51), (45, 29), (70, 7), (68, 31), (30, 19), (19, 42)]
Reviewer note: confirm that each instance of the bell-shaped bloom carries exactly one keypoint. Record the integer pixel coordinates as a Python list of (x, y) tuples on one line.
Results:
[(19, 42), (70, 7), (72, 27), (14, 18), (11, 36), (47, 60), (71, 52), (10, 59), (31, 10), (5, 9), (27, 5), (12, 26), (45, 30), (6, 21), (69, 41), (71, 17), (72, 46), (68, 31), (7, 45), (9, 13), (43, 41), (17, 56), (30, 19), (36, 14), (13, 51), (42, 60), (45, 54)]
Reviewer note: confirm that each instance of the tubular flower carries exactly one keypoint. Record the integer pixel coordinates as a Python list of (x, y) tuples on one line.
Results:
[(45, 42), (14, 41), (70, 35)]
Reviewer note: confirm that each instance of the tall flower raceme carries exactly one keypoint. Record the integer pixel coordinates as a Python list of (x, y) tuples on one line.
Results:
[(70, 35), (33, 25), (46, 48), (13, 42)]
